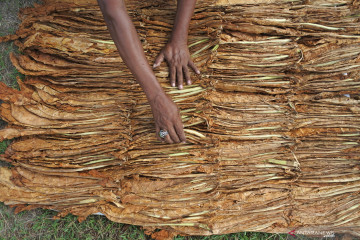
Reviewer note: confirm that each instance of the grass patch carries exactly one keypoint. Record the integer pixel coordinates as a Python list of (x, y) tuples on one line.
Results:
[(8, 73), (39, 224), (4, 145), (9, 22)]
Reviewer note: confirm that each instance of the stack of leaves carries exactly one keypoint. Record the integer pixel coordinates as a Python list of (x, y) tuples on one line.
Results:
[(272, 124)]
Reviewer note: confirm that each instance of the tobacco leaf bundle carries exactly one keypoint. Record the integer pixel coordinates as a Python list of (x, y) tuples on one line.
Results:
[(272, 124)]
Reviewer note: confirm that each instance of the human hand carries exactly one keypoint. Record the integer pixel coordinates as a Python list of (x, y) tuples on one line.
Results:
[(167, 117), (178, 58)]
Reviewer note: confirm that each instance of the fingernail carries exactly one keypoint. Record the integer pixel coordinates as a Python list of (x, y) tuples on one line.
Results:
[(173, 84), (154, 66), (189, 82), (180, 86), (198, 72)]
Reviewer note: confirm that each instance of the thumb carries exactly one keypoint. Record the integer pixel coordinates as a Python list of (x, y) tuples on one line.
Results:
[(159, 59)]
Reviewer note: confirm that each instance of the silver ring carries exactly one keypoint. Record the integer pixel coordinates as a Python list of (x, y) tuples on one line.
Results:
[(163, 133)]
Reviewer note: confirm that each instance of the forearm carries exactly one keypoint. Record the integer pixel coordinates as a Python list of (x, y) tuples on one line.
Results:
[(125, 37), (185, 10)]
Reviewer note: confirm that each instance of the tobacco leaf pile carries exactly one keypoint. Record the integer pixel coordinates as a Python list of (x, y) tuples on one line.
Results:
[(273, 123)]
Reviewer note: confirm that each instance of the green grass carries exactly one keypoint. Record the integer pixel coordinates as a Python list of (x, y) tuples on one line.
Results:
[(3, 145), (8, 73), (39, 224), (8, 25)]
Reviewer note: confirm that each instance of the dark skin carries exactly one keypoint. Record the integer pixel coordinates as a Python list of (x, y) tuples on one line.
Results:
[(176, 53)]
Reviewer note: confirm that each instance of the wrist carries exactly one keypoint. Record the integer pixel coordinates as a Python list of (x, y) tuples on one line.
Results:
[(153, 94), (149, 84), (178, 39)]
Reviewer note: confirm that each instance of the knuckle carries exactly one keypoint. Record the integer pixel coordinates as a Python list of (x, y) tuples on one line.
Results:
[(177, 59)]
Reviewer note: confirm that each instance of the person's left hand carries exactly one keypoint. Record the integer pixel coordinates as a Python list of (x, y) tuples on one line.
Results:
[(178, 58)]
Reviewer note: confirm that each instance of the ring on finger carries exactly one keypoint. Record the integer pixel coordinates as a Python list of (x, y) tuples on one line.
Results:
[(163, 133)]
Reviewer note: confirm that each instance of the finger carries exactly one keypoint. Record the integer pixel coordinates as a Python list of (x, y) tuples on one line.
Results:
[(180, 132), (187, 75), (192, 65), (157, 131), (172, 75), (179, 76), (159, 59), (168, 139), (173, 135)]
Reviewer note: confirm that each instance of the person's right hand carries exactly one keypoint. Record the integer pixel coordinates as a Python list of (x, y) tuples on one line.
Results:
[(167, 117)]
